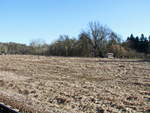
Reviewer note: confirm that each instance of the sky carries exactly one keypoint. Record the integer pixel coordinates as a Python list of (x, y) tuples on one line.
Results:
[(22, 21)]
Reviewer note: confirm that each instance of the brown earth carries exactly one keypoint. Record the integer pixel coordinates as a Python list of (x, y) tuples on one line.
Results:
[(75, 85)]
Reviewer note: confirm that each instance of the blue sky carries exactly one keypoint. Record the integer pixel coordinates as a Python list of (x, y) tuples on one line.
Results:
[(24, 20)]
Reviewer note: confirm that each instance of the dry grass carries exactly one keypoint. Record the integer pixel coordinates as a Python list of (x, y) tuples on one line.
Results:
[(70, 85)]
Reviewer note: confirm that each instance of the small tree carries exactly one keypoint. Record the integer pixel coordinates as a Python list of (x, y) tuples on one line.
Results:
[(85, 45), (37, 46)]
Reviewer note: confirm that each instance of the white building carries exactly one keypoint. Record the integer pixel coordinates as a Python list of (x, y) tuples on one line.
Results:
[(110, 55)]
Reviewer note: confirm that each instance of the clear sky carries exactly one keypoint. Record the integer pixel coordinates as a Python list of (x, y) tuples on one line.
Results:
[(24, 20)]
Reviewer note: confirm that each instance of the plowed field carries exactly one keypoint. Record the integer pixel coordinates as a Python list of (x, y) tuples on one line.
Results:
[(75, 85)]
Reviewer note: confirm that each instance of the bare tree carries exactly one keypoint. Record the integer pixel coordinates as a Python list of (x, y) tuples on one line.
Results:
[(37, 46), (114, 38), (99, 35)]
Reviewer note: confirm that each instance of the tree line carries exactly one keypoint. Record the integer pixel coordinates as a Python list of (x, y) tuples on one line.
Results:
[(96, 41), (140, 44)]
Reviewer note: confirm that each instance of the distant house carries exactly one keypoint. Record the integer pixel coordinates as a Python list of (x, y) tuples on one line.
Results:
[(110, 55)]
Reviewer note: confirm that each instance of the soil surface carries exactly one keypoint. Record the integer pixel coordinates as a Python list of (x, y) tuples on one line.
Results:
[(76, 85)]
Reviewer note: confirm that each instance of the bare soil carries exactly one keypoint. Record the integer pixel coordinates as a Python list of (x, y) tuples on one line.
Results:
[(75, 85)]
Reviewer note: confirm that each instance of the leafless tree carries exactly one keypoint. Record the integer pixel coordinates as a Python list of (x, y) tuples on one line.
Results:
[(37, 45), (99, 34)]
